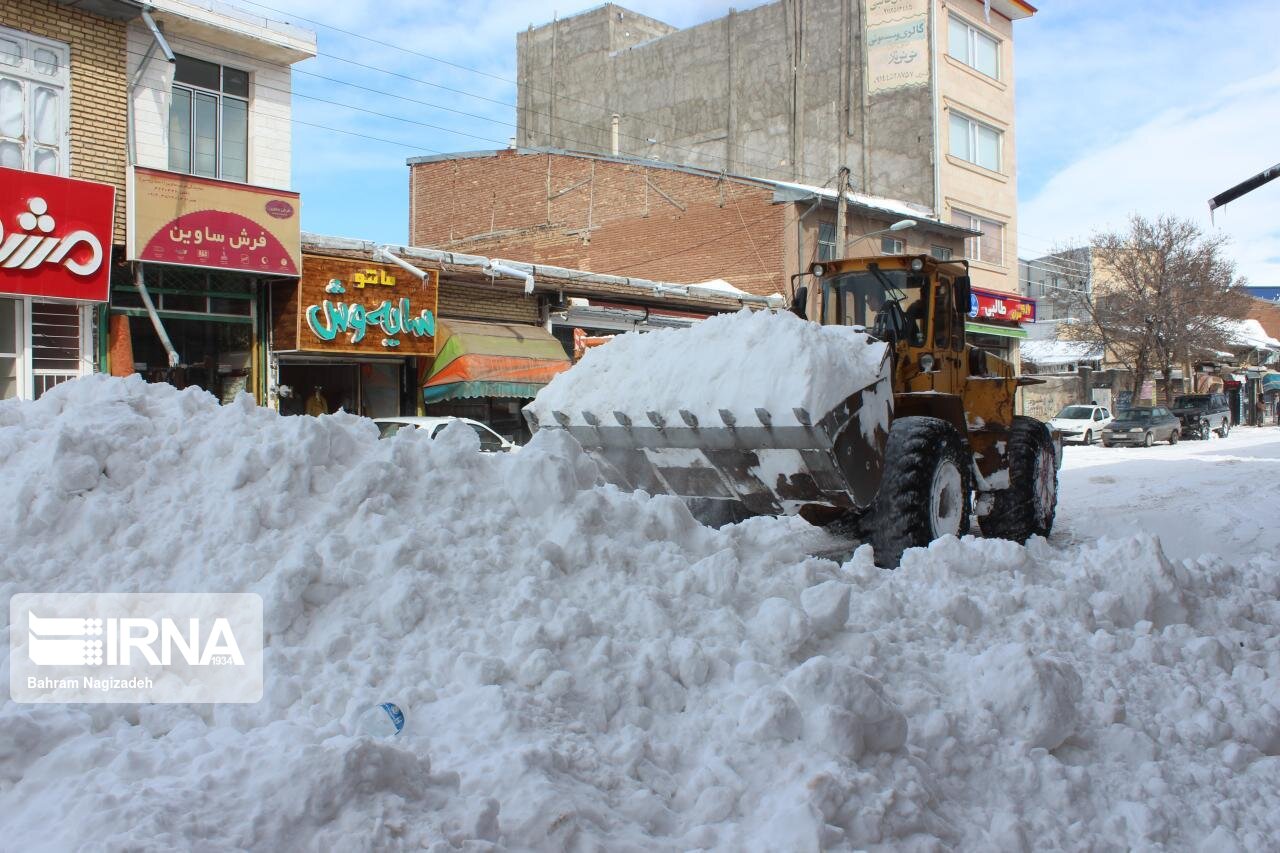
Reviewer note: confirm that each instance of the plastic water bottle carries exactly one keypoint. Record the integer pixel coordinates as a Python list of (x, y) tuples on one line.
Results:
[(381, 721)]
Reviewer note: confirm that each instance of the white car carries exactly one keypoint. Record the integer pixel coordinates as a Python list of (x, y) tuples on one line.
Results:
[(1082, 423), (490, 441)]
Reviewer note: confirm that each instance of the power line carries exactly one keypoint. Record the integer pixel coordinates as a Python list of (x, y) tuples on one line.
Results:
[(560, 97)]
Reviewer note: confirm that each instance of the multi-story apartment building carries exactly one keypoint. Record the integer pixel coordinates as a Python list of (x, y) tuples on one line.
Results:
[(915, 97), (147, 198)]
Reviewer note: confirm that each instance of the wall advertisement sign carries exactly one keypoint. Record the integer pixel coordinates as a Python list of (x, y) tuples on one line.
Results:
[(200, 222), (989, 305), (356, 308), (897, 40), (55, 236)]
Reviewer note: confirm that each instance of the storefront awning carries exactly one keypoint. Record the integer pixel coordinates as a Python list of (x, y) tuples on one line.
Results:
[(491, 360), (998, 331), (1271, 382)]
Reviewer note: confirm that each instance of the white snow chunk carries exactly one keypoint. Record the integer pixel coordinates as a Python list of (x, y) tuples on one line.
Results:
[(1035, 697)]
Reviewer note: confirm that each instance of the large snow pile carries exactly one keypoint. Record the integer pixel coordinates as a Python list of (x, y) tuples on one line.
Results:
[(585, 669), (738, 362)]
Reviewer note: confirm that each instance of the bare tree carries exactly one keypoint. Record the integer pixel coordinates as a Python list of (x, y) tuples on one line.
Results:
[(1160, 294)]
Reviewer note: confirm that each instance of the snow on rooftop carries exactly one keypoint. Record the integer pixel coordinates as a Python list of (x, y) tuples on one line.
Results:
[(1249, 332), (890, 205), (1058, 352)]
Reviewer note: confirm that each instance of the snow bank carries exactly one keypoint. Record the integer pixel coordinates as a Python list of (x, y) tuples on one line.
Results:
[(732, 361), (585, 669)]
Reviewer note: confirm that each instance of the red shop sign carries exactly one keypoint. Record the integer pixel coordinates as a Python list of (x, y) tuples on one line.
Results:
[(55, 236), (989, 305)]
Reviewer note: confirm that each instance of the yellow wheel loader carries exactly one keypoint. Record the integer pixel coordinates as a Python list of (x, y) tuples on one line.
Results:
[(912, 456)]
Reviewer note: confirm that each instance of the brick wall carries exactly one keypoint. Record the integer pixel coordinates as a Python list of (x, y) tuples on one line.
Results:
[(462, 300), (98, 149), (604, 217)]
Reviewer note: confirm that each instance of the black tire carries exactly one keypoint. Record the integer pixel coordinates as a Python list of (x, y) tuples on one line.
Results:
[(919, 494), (1088, 437), (1148, 440), (1027, 507), (1106, 443), (1226, 428), (1173, 438)]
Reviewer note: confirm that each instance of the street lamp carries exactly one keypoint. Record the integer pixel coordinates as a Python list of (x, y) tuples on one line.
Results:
[(900, 225)]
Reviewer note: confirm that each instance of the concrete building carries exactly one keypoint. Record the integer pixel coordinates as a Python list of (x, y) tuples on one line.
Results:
[(915, 97)]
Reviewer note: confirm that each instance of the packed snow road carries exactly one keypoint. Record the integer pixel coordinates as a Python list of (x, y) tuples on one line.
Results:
[(584, 669)]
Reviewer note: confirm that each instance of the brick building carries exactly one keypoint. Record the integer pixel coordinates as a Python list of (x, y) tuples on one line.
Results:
[(625, 216), (62, 117)]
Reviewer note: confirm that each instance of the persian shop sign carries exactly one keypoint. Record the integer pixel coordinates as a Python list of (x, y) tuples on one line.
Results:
[(199, 222), (988, 305), (354, 307), (55, 236)]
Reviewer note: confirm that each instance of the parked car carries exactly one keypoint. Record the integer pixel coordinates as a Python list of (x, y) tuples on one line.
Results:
[(1203, 414), (1082, 423), (490, 441), (1143, 425)]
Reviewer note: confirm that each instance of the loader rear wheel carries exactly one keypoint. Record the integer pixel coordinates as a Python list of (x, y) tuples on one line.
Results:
[(1027, 507), (924, 491)]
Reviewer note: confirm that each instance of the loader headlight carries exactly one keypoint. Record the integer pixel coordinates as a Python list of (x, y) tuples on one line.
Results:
[(917, 265), (926, 363), (818, 270)]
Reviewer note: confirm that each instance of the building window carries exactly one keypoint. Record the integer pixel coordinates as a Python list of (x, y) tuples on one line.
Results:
[(33, 103), (975, 142), (10, 338), (973, 47), (989, 247), (826, 241), (942, 253), (209, 120), (892, 246)]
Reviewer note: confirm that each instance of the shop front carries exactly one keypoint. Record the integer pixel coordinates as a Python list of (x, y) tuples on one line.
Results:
[(55, 262), (995, 320), (190, 309), (489, 371), (349, 335)]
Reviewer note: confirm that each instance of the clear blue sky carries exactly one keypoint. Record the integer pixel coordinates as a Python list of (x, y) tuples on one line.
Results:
[(1144, 107)]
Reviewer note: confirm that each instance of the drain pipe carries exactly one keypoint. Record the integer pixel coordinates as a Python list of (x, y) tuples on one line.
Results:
[(496, 268), (384, 253), (138, 275), (139, 280)]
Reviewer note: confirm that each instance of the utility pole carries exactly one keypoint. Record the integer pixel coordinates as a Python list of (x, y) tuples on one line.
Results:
[(842, 184)]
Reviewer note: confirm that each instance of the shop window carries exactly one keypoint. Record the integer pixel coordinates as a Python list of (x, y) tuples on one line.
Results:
[(215, 356), (189, 291), (33, 103), (55, 344), (209, 120), (10, 325)]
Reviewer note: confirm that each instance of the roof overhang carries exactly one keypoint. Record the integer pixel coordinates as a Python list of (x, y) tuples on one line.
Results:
[(924, 221), (223, 25), (116, 10), (1014, 10)]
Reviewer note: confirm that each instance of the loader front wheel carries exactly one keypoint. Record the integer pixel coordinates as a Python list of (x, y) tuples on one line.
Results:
[(924, 491), (1027, 507)]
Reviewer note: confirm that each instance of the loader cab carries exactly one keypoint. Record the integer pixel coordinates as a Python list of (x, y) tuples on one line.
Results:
[(917, 303)]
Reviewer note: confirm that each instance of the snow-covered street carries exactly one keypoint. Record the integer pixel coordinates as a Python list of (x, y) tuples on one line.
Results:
[(584, 669), (1218, 496)]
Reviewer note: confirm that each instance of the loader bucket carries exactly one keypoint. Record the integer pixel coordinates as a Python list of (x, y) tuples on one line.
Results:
[(774, 463)]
